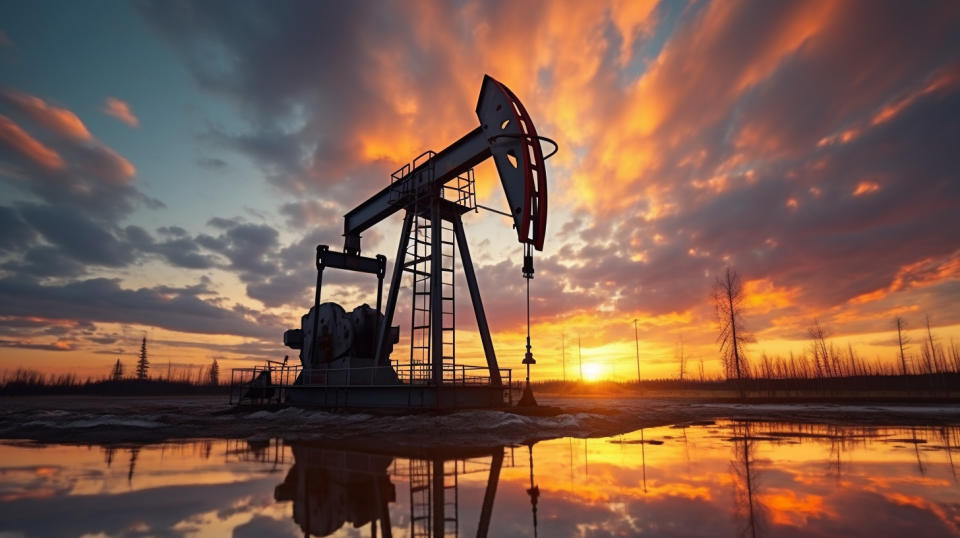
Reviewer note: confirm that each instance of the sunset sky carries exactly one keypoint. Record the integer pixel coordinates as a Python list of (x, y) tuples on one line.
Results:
[(167, 169)]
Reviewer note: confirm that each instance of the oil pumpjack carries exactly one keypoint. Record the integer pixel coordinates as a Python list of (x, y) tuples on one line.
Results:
[(345, 356)]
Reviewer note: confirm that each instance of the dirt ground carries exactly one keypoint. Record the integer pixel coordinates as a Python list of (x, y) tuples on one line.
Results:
[(101, 419)]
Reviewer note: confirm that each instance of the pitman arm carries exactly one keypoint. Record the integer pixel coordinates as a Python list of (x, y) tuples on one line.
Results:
[(507, 134)]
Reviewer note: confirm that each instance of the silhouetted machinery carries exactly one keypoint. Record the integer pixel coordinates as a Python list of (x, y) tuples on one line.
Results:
[(345, 356), (331, 486)]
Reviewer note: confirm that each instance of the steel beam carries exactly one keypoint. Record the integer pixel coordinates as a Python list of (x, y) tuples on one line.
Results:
[(394, 288), (482, 326), (350, 262), (472, 149)]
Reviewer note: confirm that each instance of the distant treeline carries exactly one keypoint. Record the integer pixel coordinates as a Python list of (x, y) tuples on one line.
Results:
[(823, 370), (23, 382), (934, 385)]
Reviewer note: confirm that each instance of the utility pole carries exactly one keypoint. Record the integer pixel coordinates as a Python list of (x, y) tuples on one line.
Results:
[(580, 357), (563, 353), (636, 339)]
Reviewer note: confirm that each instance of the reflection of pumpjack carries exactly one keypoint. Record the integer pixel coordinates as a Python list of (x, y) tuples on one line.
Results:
[(330, 487)]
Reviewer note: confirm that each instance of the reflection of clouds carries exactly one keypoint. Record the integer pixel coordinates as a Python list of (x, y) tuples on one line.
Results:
[(797, 492), (786, 507), (161, 510), (600, 492), (260, 526)]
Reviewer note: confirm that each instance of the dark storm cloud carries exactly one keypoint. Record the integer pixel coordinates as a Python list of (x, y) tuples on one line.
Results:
[(45, 261), (172, 231), (121, 514), (15, 234), (184, 252), (67, 243), (61, 242), (103, 300), (295, 272), (249, 248), (305, 77), (77, 235)]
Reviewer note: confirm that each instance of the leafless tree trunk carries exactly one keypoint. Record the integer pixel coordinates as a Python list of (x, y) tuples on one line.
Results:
[(747, 506), (901, 342), (821, 356), (930, 350), (728, 299), (682, 359), (852, 357)]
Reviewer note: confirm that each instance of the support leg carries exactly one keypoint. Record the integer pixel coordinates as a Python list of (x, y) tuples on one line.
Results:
[(312, 356), (477, 303), (439, 519), (394, 289), (490, 494), (436, 295)]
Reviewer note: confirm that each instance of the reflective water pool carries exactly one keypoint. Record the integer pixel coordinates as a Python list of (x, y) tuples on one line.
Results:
[(713, 479)]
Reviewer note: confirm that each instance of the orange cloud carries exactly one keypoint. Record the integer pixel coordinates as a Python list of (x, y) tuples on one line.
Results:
[(114, 167), (788, 508), (59, 120), (945, 79), (866, 187), (20, 141), (663, 109), (925, 272), (763, 296), (120, 110)]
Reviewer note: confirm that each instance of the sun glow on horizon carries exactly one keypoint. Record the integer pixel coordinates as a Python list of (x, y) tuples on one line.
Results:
[(593, 371)]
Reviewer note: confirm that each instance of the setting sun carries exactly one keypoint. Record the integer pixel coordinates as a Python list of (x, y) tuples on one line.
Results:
[(593, 371)]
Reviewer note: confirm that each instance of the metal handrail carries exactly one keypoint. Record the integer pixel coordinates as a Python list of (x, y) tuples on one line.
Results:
[(276, 379)]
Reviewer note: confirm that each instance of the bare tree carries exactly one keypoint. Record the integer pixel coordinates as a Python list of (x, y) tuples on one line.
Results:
[(747, 506), (929, 350), (821, 355), (901, 342), (728, 299), (937, 352)]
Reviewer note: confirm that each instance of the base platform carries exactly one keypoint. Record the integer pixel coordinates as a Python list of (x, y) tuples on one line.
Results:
[(400, 397)]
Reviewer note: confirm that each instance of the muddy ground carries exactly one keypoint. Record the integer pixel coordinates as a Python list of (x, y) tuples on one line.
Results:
[(92, 419)]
